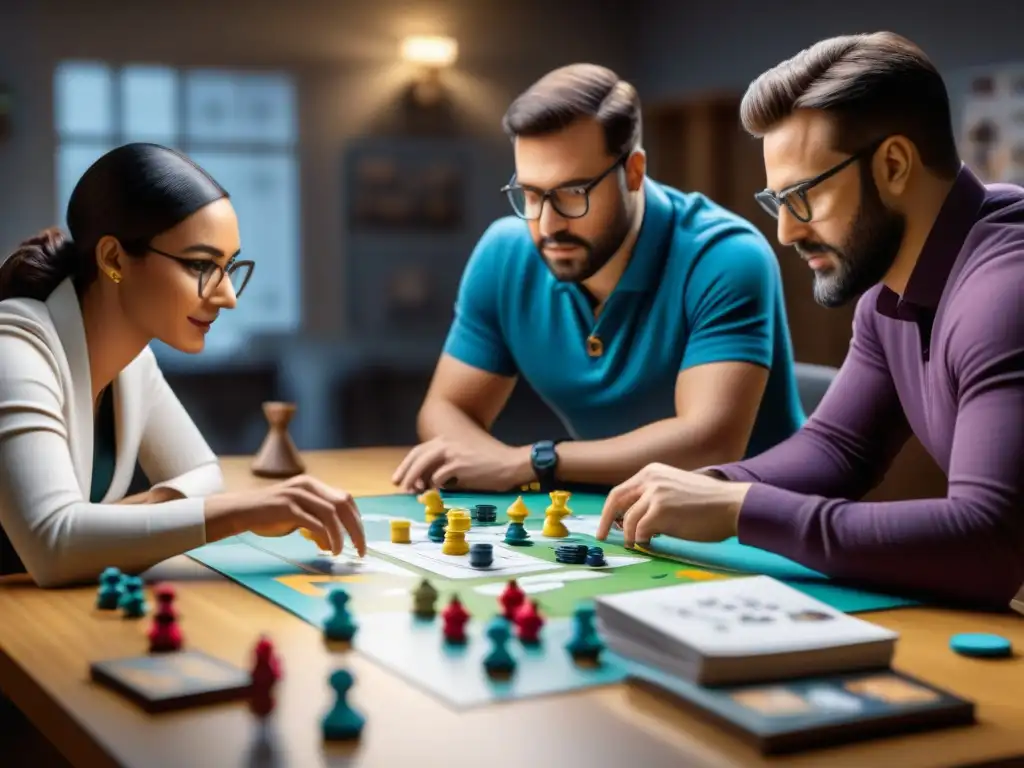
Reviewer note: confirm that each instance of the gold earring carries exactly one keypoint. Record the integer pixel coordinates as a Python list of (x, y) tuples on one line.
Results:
[(115, 276)]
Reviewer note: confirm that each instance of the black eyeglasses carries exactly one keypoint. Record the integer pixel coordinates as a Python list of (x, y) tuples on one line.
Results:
[(209, 273), (795, 197), (571, 201)]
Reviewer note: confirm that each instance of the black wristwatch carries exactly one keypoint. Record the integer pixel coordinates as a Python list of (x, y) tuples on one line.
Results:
[(544, 459)]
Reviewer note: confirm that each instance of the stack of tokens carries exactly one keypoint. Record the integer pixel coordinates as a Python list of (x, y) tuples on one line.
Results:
[(481, 555), (595, 557), (486, 513), (573, 554)]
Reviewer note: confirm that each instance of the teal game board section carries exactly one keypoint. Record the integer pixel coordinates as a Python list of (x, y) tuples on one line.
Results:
[(289, 572)]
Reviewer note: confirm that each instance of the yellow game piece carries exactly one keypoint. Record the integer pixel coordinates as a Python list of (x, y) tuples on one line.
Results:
[(306, 533), (433, 504), (459, 521), (553, 526), (400, 531), (517, 511)]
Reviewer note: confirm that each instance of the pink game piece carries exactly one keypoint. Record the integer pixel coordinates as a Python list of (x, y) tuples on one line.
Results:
[(455, 618), (529, 622), (266, 671), (164, 634), (511, 599)]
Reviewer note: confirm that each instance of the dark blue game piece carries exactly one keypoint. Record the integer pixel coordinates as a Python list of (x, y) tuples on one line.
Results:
[(573, 554), (485, 513), (342, 723), (481, 555), (133, 599), (595, 557), (499, 661), (981, 644), (437, 528), (108, 598), (516, 535), (585, 645), (339, 625)]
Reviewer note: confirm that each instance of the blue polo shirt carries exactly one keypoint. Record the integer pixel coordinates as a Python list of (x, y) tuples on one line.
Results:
[(702, 286)]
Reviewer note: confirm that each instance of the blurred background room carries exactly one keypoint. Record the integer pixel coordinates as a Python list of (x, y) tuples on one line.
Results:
[(362, 145)]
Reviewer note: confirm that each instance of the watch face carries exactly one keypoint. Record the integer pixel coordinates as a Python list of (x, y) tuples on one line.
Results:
[(544, 456)]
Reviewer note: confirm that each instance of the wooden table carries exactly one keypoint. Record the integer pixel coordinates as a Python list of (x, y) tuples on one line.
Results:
[(48, 638)]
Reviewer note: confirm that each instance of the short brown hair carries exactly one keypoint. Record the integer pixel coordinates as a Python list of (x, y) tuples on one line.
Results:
[(874, 85), (573, 92)]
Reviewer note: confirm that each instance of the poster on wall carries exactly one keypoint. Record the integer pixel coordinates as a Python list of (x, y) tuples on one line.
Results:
[(993, 124)]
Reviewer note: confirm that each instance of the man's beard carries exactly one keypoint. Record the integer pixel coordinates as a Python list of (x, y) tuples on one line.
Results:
[(867, 254), (597, 253)]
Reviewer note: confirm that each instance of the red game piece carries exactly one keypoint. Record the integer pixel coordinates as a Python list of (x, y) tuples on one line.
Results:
[(528, 622), (266, 671), (511, 599), (164, 634), (455, 618)]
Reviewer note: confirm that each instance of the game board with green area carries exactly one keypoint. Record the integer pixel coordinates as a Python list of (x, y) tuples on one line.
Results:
[(291, 572)]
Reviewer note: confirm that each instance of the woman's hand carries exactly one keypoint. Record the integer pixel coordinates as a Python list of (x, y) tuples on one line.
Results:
[(277, 510)]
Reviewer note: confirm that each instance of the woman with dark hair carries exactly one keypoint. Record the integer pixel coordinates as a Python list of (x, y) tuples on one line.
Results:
[(152, 254)]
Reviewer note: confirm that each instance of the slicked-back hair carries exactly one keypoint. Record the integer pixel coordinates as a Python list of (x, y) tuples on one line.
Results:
[(575, 92), (872, 85), (134, 193)]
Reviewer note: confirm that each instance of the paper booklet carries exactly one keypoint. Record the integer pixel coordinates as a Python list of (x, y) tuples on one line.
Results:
[(739, 630)]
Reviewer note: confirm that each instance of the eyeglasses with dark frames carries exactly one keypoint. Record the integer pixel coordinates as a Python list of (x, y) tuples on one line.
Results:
[(795, 197), (210, 274), (571, 201)]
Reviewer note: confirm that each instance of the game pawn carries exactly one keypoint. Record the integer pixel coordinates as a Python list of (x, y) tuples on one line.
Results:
[(133, 601), (529, 622), (510, 599), (435, 532), (595, 557), (266, 671), (165, 634), (485, 514), (423, 598), (481, 554), (263, 677), (339, 625), (515, 534), (554, 528), (585, 645), (108, 597), (499, 662), (278, 456), (342, 722), (455, 618), (433, 504), (400, 531), (455, 534)]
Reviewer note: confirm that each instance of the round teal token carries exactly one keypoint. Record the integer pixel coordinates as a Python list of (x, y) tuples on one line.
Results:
[(980, 644)]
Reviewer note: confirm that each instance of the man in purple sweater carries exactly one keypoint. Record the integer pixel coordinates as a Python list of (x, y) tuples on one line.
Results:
[(865, 180)]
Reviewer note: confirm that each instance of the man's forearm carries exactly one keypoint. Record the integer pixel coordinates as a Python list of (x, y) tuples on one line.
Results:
[(814, 461), (669, 441), (896, 545), (438, 417)]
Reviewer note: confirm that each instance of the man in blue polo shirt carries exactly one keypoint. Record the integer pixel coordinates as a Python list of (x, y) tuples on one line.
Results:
[(651, 321)]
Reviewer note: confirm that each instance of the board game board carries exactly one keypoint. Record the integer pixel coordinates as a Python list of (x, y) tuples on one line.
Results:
[(291, 572)]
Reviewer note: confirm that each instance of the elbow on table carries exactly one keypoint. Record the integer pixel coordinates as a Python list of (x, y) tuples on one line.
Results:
[(47, 571), (50, 556), (989, 577)]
